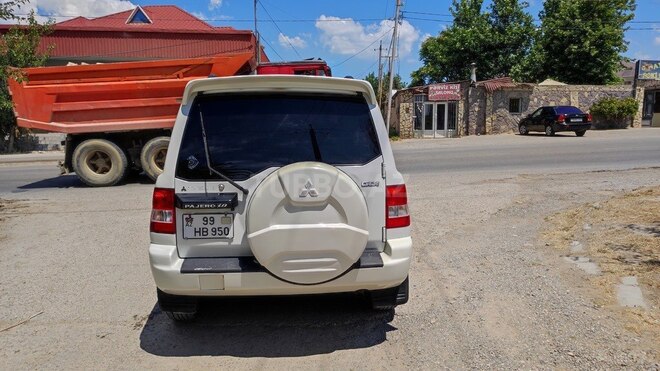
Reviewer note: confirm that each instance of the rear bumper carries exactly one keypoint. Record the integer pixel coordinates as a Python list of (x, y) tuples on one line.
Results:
[(166, 269), (572, 127)]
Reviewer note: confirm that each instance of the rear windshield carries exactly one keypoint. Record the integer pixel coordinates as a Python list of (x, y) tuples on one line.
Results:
[(249, 133), (567, 110)]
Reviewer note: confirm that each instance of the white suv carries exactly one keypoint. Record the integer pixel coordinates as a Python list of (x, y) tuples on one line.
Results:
[(279, 185)]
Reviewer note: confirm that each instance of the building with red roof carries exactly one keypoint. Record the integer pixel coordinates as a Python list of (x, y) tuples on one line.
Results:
[(144, 33)]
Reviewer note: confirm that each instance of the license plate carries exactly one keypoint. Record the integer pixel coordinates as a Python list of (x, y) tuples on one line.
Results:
[(212, 226), (576, 120)]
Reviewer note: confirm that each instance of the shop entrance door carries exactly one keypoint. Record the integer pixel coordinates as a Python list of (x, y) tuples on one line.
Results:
[(435, 120)]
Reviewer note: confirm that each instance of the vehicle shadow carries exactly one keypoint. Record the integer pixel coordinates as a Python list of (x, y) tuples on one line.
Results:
[(269, 327), (62, 181), (557, 135), (72, 181)]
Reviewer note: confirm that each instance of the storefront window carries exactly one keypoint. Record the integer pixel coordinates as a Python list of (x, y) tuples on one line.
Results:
[(648, 104), (435, 119), (451, 116), (419, 111)]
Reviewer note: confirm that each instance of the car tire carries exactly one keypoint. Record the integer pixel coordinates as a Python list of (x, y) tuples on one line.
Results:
[(522, 129), (580, 133), (181, 316), (177, 308), (549, 131), (389, 298), (99, 163), (152, 156)]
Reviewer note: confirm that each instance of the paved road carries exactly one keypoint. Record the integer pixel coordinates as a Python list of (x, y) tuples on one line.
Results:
[(486, 292), (21, 177), (598, 150), (505, 154)]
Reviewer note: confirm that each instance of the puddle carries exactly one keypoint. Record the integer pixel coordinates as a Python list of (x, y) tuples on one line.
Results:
[(584, 263), (629, 294)]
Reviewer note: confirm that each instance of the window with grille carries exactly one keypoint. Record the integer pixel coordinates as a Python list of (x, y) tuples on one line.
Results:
[(515, 105)]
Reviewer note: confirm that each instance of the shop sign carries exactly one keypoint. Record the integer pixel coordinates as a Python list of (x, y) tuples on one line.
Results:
[(444, 92), (649, 70)]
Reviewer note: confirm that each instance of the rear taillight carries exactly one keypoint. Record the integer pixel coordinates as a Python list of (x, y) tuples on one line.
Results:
[(396, 207), (561, 118), (163, 217), (589, 118)]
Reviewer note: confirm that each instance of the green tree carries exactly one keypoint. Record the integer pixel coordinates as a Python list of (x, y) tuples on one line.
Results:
[(496, 41), (447, 57), (580, 42), (7, 9), (18, 49), (512, 33), (372, 78)]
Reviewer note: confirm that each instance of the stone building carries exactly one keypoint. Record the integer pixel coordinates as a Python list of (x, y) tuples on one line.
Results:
[(491, 106), (647, 78)]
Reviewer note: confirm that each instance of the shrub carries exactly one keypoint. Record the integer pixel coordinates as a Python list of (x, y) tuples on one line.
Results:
[(394, 134), (614, 113)]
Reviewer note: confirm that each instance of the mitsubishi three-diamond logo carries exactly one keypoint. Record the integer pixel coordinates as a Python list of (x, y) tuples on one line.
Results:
[(308, 189)]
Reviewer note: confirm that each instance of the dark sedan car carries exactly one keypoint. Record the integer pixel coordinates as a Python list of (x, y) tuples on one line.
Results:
[(553, 119)]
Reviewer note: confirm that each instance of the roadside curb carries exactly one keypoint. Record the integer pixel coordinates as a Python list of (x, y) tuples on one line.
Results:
[(52, 156)]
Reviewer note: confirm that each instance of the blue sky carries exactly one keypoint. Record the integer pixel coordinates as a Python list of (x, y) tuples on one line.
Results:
[(344, 33)]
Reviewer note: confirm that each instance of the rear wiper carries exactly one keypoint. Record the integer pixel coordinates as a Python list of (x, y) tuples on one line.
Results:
[(208, 157), (315, 144)]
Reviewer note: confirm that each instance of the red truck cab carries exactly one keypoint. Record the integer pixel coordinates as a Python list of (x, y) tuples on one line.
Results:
[(308, 67)]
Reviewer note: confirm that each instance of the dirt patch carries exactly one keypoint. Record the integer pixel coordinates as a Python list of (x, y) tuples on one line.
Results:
[(622, 235), (8, 208)]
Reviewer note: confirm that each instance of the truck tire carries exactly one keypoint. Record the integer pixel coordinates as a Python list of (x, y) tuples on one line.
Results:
[(99, 163), (153, 156)]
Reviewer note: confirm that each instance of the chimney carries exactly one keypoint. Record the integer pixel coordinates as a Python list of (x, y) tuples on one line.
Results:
[(473, 73)]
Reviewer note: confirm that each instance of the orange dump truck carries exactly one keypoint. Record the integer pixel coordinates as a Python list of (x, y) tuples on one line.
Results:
[(117, 116)]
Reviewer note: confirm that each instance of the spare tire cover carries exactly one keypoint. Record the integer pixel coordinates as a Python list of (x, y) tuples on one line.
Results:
[(307, 223)]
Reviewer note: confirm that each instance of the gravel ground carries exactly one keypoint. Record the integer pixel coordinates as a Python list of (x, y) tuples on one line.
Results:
[(485, 290), (494, 295)]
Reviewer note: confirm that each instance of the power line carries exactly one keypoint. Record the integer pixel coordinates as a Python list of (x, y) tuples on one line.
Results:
[(561, 28), (365, 48), (280, 30), (244, 48), (367, 70), (273, 49), (452, 17), (427, 13), (278, 8), (535, 20), (216, 19)]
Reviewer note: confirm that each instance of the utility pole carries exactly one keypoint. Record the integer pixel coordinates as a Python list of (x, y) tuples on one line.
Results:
[(380, 73), (395, 36), (256, 35)]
